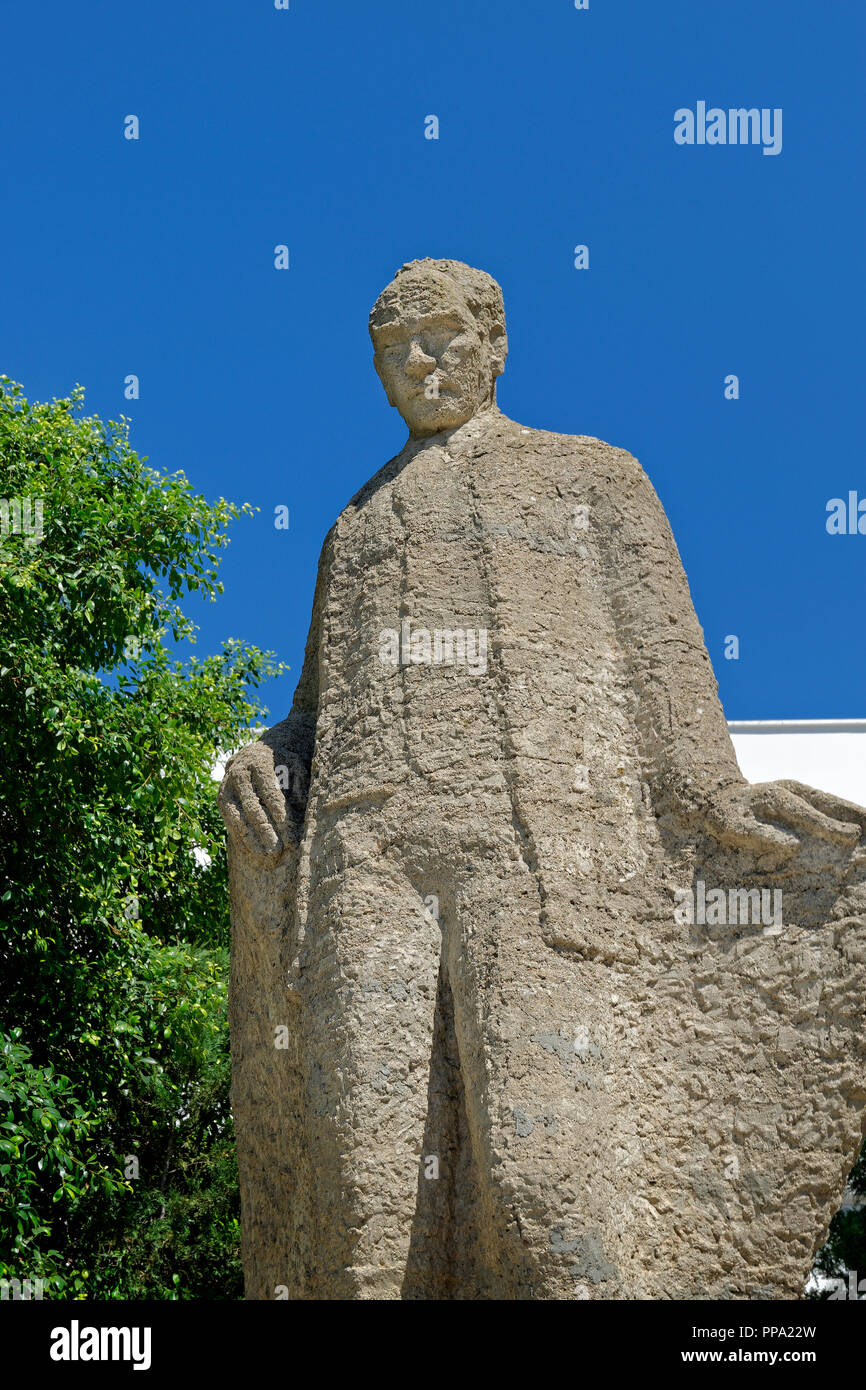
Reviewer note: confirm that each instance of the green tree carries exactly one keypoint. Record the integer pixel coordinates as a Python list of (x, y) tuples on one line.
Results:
[(117, 1173), (845, 1247)]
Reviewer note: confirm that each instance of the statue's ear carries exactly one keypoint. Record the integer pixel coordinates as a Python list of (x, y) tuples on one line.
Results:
[(498, 349)]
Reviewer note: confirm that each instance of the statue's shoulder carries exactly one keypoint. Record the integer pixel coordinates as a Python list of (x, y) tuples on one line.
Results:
[(575, 453), (380, 481), (383, 479)]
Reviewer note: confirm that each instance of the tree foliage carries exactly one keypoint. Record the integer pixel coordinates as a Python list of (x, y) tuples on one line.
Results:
[(113, 931)]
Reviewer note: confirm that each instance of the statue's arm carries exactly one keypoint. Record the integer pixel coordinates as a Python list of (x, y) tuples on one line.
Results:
[(688, 757), (688, 754), (263, 799), (264, 791)]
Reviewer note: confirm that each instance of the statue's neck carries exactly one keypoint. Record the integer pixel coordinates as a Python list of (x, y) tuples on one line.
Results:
[(485, 413)]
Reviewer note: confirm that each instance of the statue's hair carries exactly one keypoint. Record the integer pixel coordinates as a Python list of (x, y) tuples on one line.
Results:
[(418, 282)]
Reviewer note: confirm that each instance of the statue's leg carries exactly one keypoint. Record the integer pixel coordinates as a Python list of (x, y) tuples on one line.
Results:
[(368, 970), (267, 1093), (531, 1026)]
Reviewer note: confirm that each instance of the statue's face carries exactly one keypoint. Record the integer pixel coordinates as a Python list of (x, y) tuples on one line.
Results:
[(436, 368)]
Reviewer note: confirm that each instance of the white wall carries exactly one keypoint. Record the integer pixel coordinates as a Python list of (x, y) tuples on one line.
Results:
[(829, 754)]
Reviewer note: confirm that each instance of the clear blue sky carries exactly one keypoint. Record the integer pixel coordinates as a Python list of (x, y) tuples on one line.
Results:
[(306, 127)]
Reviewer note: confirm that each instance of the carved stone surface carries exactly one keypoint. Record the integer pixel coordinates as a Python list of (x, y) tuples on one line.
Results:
[(505, 1021)]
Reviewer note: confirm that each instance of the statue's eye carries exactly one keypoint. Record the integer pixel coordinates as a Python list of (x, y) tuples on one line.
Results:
[(439, 339)]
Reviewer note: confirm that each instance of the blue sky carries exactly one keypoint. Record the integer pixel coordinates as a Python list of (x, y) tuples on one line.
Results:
[(306, 127)]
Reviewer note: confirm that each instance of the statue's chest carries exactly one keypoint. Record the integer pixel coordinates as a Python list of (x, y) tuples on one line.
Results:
[(467, 621), (466, 567), (455, 531)]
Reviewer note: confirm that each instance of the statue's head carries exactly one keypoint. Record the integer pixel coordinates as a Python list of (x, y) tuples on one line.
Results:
[(439, 343)]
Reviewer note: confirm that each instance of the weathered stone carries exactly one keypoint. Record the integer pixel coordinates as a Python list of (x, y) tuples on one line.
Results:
[(465, 924)]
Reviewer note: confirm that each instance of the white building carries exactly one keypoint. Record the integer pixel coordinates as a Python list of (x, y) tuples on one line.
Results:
[(829, 754)]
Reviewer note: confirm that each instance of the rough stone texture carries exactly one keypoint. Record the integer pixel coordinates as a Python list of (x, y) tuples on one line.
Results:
[(622, 1104)]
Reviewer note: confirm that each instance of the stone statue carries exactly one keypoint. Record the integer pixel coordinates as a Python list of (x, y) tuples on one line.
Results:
[(533, 996)]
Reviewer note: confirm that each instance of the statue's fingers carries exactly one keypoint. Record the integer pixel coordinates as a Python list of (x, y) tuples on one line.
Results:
[(746, 832), (254, 815), (801, 812), (273, 803), (836, 807), (237, 826), (778, 802), (760, 836)]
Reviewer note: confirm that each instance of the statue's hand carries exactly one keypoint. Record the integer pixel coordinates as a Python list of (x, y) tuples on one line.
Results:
[(739, 817), (831, 805), (257, 812)]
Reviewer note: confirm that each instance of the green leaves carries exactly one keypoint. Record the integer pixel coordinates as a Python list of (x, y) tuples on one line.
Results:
[(113, 939), (112, 528), (45, 1133)]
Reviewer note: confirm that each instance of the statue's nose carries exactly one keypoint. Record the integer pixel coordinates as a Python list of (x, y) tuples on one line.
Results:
[(418, 363)]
